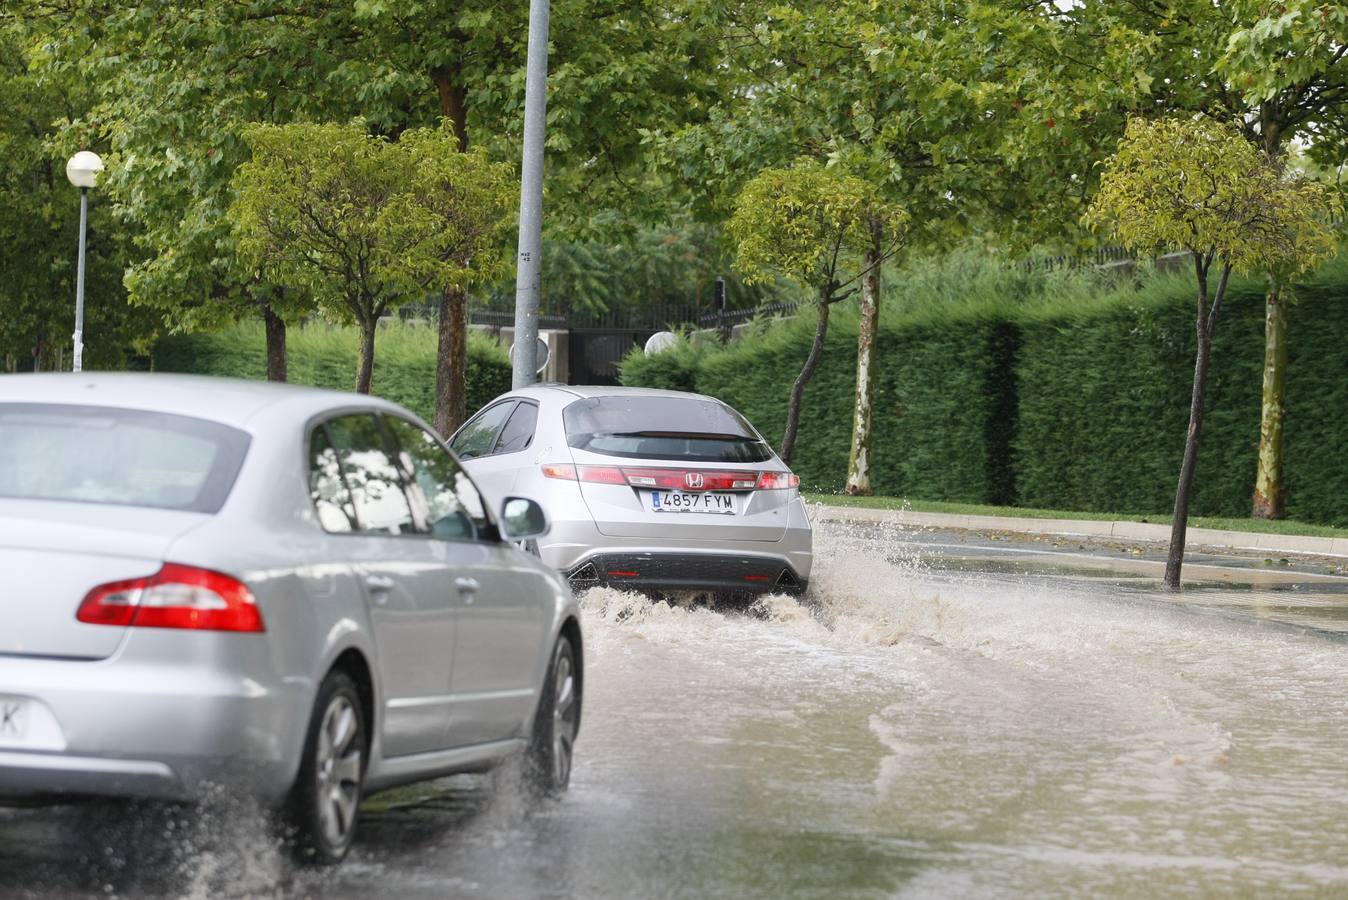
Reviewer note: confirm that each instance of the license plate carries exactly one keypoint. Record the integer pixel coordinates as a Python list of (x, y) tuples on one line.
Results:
[(13, 719), (685, 502)]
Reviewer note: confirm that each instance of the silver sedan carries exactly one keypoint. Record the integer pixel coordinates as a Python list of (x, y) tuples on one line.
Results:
[(293, 591), (647, 489)]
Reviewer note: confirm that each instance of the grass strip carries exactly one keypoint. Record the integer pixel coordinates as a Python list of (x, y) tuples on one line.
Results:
[(1256, 526)]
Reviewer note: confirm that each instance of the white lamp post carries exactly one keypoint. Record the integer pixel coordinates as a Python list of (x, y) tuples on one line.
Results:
[(82, 169)]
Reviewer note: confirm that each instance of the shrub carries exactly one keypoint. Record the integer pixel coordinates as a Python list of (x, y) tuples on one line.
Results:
[(324, 356)]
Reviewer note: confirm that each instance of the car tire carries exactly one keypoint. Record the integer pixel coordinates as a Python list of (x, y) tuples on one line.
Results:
[(548, 759), (324, 802)]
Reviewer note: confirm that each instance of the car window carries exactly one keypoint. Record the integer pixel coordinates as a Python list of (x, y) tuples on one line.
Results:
[(142, 457), (518, 432), (449, 501), (327, 488), (477, 437), (371, 475), (662, 427)]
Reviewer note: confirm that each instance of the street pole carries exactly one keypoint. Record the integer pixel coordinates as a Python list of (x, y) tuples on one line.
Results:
[(528, 275), (720, 310), (79, 283)]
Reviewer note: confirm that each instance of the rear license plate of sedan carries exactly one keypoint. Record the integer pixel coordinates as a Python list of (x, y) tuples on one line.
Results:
[(687, 502), (13, 719)]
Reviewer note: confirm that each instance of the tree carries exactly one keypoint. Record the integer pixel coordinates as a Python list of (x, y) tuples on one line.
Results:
[(1199, 185), (1278, 71), (964, 141), (450, 220), (364, 224), (179, 81), (39, 222), (1292, 63), (173, 85), (811, 224)]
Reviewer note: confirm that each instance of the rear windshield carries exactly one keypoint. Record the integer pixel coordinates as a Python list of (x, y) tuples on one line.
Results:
[(663, 428), (127, 457)]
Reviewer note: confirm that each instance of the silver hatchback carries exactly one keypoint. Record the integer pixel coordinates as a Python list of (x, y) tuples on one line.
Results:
[(646, 489), (292, 591)]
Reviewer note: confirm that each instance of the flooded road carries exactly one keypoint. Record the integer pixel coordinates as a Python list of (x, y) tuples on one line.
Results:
[(945, 715)]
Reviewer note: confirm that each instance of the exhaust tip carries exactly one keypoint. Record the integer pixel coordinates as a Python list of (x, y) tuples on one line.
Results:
[(787, 580)]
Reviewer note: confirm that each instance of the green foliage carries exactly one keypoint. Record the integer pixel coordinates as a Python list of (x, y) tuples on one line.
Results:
[(1200, 185), (796, 222), (172, 85), (321, 355), (39, 228), (675, 368), (1294, 42), (967, 113), (364, 224), (805, 222), (676, 263), (1067, 392), (1103, 400)]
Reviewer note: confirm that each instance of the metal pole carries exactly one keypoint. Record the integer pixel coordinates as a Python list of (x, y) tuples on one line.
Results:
[(530, 262), (79, 283), (720, 310)]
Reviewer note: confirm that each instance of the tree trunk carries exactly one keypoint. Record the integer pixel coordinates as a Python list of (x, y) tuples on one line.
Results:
[(1206, 322), (1269, 488), (453, 101), (365, 374), (859, 461), (276, 343), (451, 364), (806, 373)]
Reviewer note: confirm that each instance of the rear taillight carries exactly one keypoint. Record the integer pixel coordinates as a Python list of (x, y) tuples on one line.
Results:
[(778, 481), (674, 479), (595, 474), (174, 597)]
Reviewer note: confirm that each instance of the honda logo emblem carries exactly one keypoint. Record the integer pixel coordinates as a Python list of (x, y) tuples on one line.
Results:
[(693, 479)]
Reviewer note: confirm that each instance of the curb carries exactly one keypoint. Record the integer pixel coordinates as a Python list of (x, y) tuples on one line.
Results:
[(1121, 530)]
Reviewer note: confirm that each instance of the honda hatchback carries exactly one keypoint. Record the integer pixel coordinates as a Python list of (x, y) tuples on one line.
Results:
[(655, 490)]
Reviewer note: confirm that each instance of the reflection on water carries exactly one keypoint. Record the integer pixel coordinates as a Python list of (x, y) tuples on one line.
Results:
[(913, 728)]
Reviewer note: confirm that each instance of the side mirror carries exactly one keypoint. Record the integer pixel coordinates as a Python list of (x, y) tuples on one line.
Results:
[(522, 519)]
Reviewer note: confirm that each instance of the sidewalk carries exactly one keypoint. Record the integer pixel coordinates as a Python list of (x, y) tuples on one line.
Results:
[(1123, 531)]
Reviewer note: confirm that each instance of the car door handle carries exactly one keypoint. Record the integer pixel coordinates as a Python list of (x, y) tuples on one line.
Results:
[(380, 586), (467, 588)]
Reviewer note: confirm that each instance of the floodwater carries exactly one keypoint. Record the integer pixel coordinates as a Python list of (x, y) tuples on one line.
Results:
[(944, 716)]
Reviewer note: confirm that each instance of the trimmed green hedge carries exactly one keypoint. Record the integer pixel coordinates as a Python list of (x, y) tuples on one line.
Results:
[(1104, 404), (938, 393), (1072, 394), (404, 360)]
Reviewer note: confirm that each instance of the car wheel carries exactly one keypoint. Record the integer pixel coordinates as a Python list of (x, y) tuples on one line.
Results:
[(326, 796), (551, 747)]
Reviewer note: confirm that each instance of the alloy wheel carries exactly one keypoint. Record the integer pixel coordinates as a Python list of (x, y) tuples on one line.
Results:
[(565, 712), (338, 768)]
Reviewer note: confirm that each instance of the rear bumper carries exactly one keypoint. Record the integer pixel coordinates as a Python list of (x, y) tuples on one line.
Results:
[(167, 729), (29, 775), (682, 571), (681, 564)]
